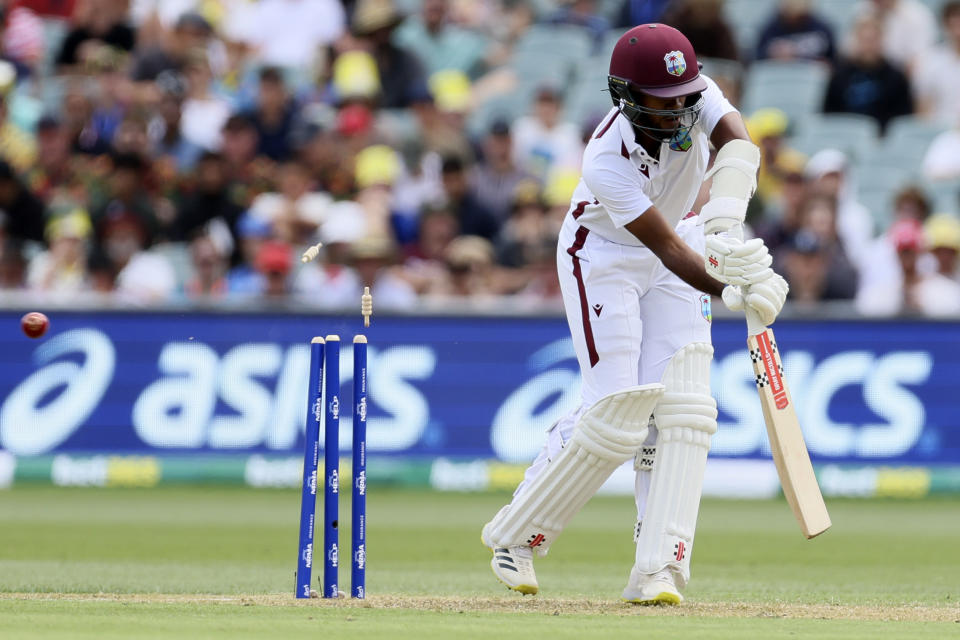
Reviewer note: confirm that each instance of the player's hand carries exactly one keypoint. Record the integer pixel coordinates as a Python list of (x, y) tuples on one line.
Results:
[(738, 263), (765, 298)]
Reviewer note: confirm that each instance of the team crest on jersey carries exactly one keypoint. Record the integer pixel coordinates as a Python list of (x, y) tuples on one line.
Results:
[(681, 140), (676, 64), (706, 308)]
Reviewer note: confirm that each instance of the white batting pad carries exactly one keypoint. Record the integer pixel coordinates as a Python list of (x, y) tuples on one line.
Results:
[(608, 434), (686, 417)]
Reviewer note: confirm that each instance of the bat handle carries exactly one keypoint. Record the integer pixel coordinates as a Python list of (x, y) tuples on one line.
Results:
[(755, 326)]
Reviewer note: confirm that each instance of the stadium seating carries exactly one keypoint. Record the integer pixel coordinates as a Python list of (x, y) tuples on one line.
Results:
[(908, 138), (855, 135), (796, 88)]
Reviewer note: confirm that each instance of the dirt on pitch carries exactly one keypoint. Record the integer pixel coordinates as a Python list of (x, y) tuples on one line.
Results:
[(538, 605)]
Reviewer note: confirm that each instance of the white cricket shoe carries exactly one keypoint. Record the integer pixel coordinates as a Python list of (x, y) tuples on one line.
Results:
[(659, 588), (513, 566)]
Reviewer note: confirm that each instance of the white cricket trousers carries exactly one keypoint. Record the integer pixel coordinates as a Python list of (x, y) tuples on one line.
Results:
[(628, 315)]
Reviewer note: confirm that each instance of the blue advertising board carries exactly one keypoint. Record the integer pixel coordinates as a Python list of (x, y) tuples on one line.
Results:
[(459, 387)]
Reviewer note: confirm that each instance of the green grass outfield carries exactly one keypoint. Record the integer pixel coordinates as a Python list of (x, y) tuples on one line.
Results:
[(218, 563)]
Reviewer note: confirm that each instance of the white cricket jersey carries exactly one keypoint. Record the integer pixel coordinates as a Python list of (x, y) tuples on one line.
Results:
[(620, 180)]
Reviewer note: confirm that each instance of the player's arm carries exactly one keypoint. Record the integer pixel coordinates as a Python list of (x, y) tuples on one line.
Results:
[(729, 127), (734, 176), (652, 230)]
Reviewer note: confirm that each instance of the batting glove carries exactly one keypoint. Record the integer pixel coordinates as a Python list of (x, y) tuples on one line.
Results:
[(732, 261), (765, 298)]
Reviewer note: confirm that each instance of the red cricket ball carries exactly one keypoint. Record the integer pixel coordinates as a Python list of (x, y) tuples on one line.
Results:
[(34, 324)]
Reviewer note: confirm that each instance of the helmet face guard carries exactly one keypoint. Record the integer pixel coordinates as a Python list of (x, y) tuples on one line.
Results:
[(627, 99)]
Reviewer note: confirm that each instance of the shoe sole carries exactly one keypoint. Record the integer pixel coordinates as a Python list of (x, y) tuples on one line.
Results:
[(664, 597), (525, 589)]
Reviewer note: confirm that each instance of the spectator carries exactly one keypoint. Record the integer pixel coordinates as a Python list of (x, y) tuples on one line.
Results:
[(527, 225), (796, 33), (830, 176), (943, 237), (53, 169), (865, 82), (541, 285), (130, 136), (805, 264), (439, 111), (239, 148), (703, 23), (936, 82), (818, 255), (781, 217), (495, 177), (13, 266), (908, 29), (24, 39), (208, 270), (377, 170), (204, 113), (98, 24), (125, 190), (191, 33), (542, 141), (634, 12), (273, 116), (244, 279), (141, 277), (768, 127), (274, 263), (373, 258), (584, 14), (287, 33), (21, 212), (438, 43), (424, 264), (355, 78), (164, 129), (62, 268), (294, 211), (472, 217), (880, 263), (912, 290), (471, 273), (942, 159), (401, 74), (86, 137), (16, 145), (209, 201)]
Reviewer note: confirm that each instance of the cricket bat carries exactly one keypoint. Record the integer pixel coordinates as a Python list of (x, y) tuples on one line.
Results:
[(786, 439)]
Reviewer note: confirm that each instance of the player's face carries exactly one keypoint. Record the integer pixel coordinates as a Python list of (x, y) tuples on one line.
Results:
[(663, 104)]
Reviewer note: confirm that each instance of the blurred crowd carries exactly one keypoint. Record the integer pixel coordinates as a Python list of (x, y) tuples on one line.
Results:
[(190, 150)]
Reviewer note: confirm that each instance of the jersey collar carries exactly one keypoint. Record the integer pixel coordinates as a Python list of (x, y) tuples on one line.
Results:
[(629, 137)]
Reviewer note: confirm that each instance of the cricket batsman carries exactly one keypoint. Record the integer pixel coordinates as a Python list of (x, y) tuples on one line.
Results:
[(636, 288)]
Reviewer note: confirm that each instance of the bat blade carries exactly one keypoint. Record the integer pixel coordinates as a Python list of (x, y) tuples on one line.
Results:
[(786, 439)]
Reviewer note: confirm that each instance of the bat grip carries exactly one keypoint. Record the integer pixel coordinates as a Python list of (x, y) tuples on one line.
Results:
[(755, 326)]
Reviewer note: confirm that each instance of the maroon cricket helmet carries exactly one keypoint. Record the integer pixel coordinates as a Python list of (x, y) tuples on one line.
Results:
[(657, 60)]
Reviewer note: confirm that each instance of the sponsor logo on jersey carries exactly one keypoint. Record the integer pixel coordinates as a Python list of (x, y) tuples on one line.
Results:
[(598, 308)]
